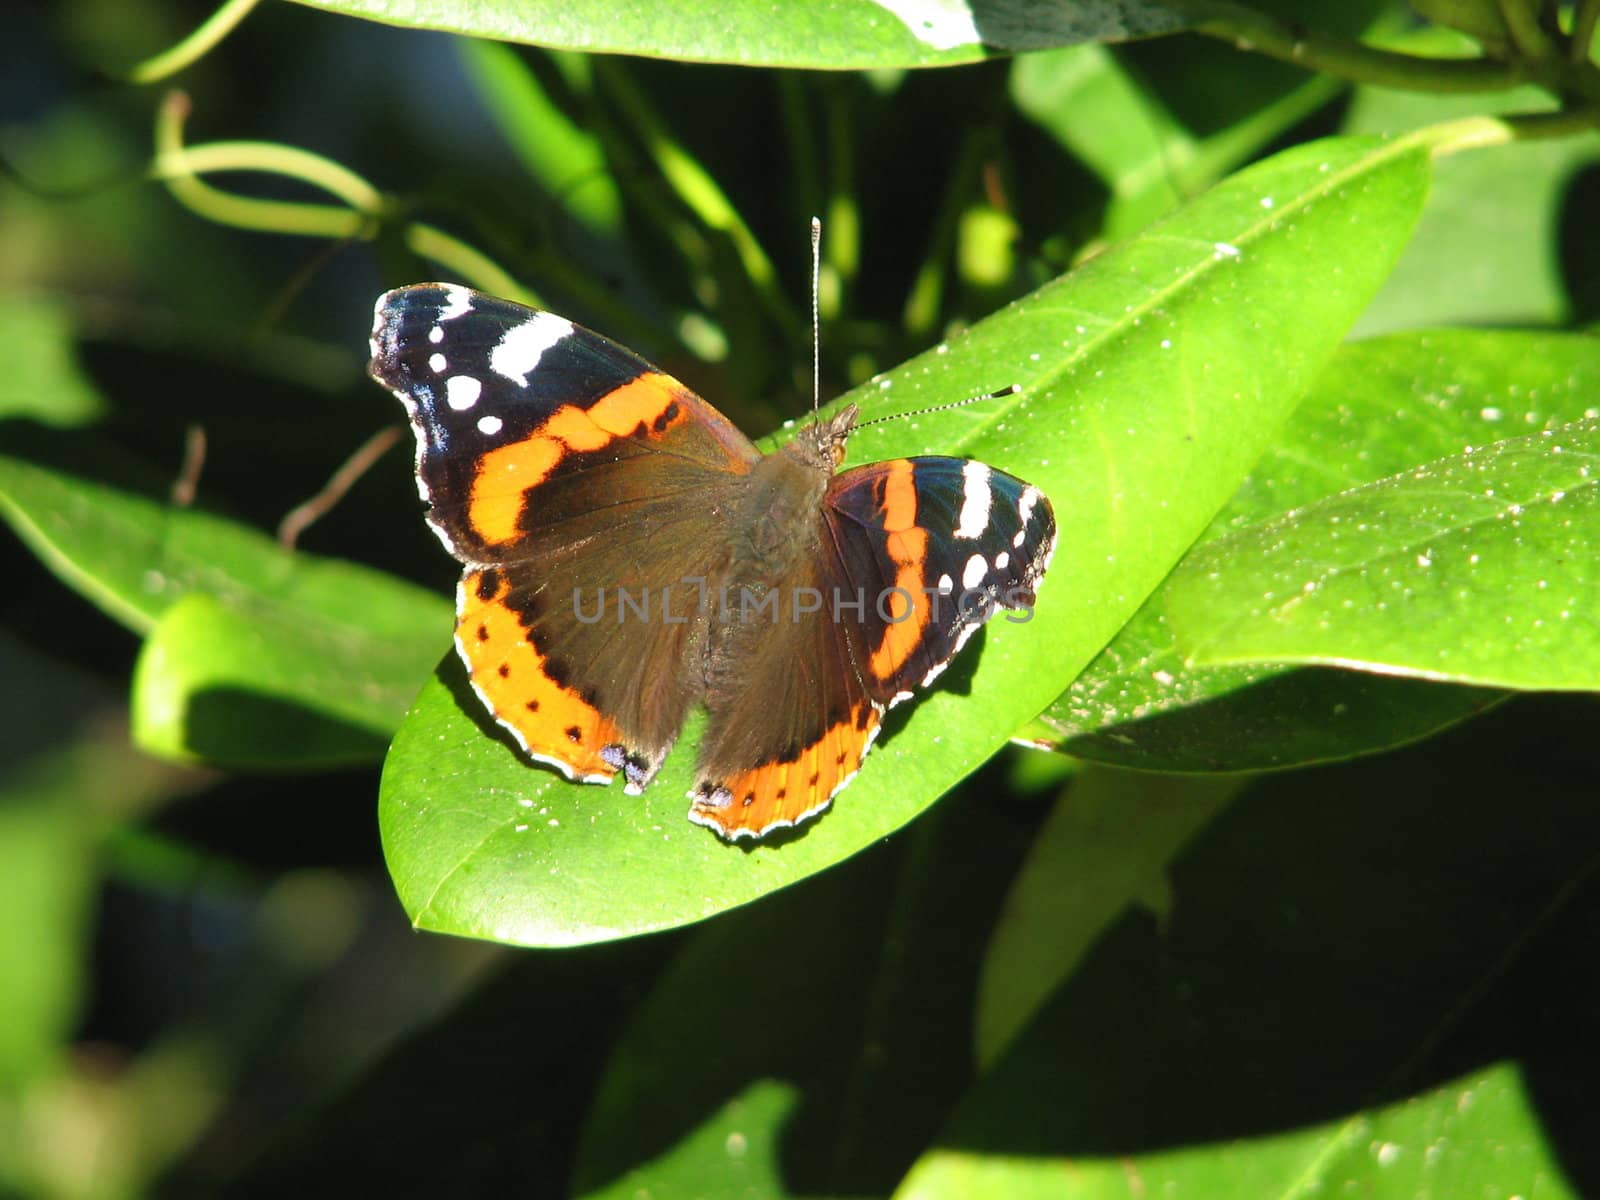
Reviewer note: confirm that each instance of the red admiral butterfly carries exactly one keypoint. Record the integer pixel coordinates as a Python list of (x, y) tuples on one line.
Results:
[(629, 554)]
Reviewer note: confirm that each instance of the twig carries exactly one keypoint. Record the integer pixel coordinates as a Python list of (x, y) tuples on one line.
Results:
[(194, 460), (1354, 61), (357, 465)]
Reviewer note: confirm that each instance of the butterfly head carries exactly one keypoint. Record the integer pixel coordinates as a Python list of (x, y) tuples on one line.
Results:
[(822, 444)]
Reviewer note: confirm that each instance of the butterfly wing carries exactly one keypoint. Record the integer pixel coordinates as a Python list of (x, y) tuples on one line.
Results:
[(946, 542), (558, 467), (796, 720), (914, 555)]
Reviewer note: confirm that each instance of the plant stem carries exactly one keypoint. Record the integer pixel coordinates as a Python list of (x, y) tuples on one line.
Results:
[(1353, 61), (180, 166), (1475, 133), (697, 190), (1585, 17), (215, 27), (1529, 37)]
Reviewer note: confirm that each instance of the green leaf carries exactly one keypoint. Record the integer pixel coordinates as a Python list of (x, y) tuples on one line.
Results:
[(1340, 947), (67, 776), (1152, 378), (275, 627), (1478, 568), (749, 1066), (258, 685), (1489, 246), (1472, 1136), (1125, 130), (565, 159), (1382, 407), (1105, 846), (42, 380), (833, 34)]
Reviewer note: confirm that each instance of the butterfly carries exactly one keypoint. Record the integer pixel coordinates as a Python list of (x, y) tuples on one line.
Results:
[(627, 554)]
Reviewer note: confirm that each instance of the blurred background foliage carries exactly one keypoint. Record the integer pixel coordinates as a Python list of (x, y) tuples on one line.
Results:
[(1376, 968)]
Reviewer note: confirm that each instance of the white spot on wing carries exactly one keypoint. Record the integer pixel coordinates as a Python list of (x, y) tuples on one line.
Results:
[(976, 496), (972, 575), (1002, 561), (436, 334), (1030, 497), (946, 584), (437, 363), (457, 303), (522, 346), (489, 425), (462, 392)]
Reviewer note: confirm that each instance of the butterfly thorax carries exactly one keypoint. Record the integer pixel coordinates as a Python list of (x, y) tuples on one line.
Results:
[(779, 526)]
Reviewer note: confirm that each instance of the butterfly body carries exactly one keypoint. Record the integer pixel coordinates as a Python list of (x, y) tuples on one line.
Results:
[(629, 555)]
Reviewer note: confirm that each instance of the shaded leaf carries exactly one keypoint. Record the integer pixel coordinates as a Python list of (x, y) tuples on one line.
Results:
[(1118, 122), (810, 1046), (343, 640), (1346, 954), (1104, 847), (1488, 246), (251, 686)]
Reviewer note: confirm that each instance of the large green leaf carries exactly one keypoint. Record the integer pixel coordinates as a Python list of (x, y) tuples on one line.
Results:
[(1477, 568), (275, 627), (831, 34), (1382, 407), (1153, 377)]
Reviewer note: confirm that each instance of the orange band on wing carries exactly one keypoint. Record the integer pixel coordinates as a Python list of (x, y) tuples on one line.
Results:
[(787, 793), (900, 496), (908, 606), (645, 407), (551, 721)]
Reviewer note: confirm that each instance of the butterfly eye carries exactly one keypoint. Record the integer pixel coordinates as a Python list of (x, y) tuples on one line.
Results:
[(836, 453)]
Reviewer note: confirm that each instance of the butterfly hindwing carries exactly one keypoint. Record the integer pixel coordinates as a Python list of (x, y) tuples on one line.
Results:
[(911, 557), (942, 543), (781, 744)]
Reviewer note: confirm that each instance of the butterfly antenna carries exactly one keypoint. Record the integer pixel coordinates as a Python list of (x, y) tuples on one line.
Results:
[(816, 322), (917, 412)]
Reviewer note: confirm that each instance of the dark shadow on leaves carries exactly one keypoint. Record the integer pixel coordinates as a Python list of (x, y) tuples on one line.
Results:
[(1299, 717), (1342, 938), (230, 726)]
